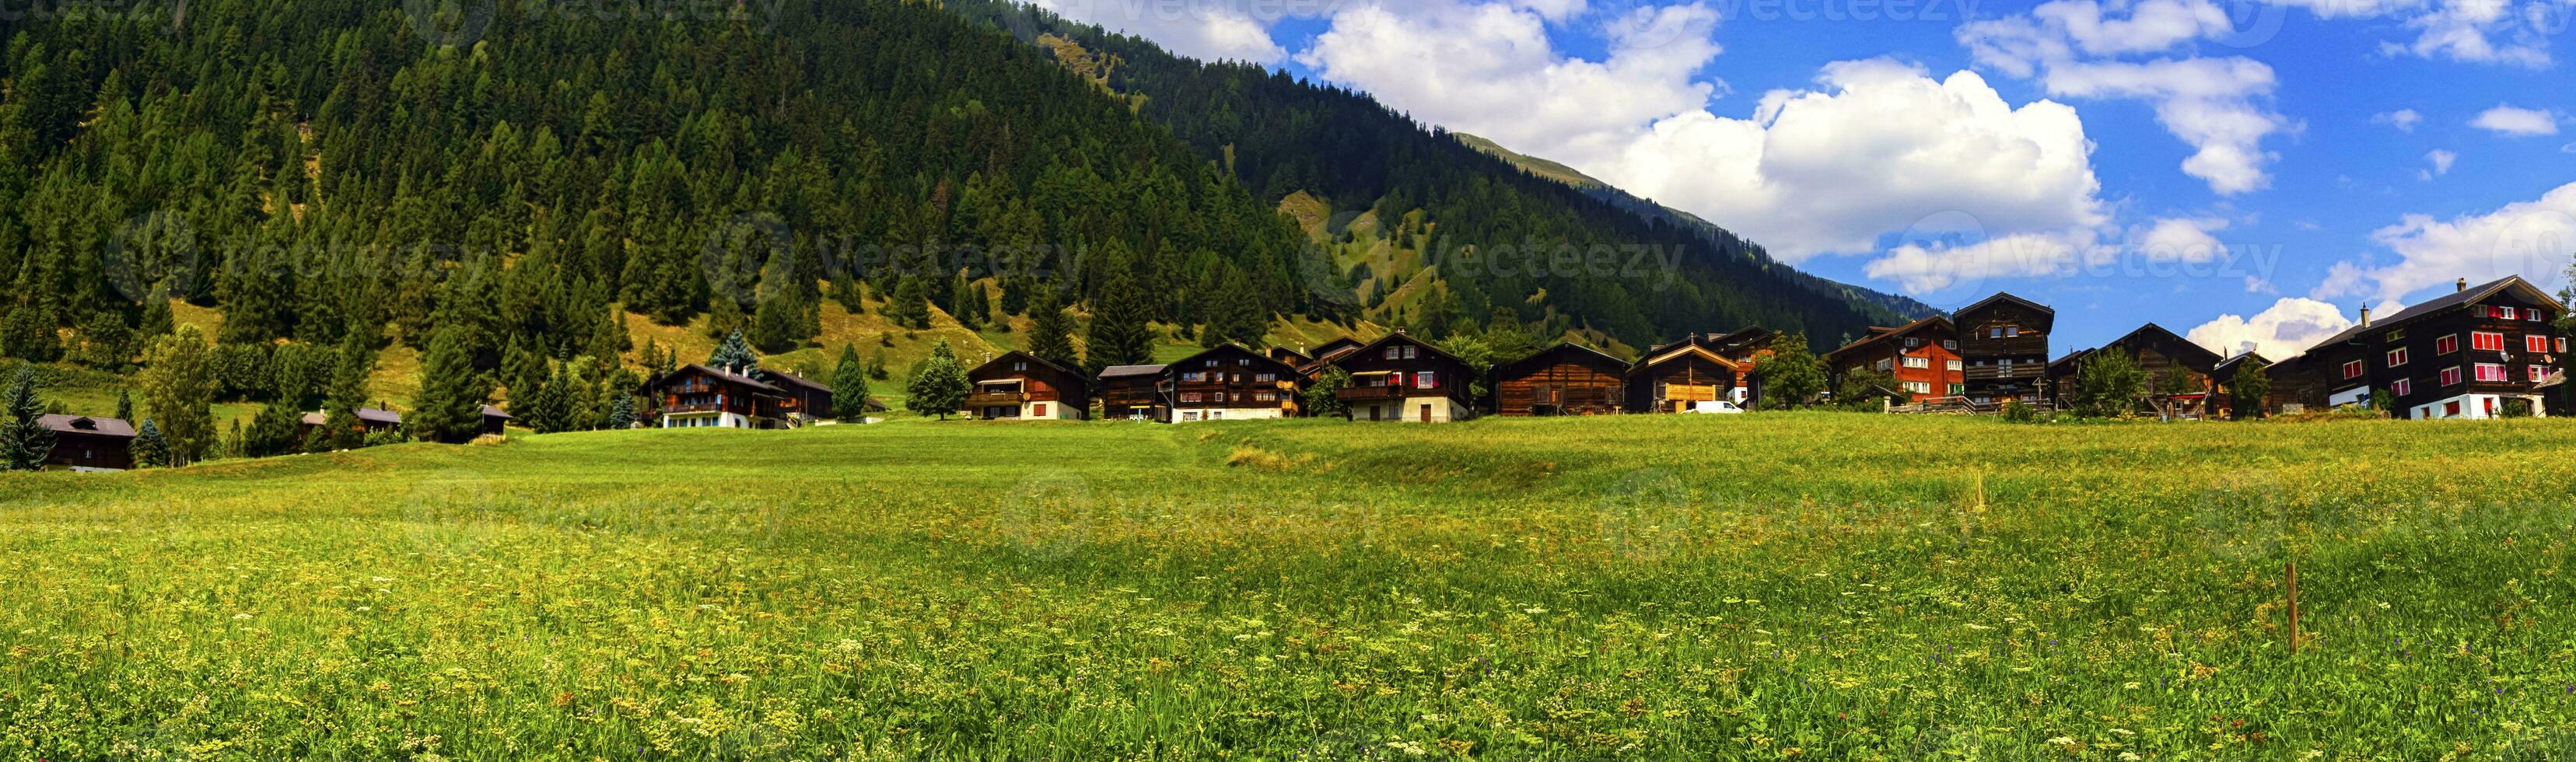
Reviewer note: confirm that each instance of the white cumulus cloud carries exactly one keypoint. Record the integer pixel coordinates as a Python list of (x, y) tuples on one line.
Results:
[(2515, 121), (2403, 119), (2530, 238), (1205, 29), (2441, 161), (2285, 329)]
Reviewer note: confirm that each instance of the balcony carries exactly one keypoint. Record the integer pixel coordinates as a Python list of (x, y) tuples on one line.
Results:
[(996, 399), (1373, 393)]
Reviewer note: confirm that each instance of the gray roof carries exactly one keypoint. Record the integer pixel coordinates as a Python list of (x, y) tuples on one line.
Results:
[(82, 424), (1124, 371), (2446, 301)]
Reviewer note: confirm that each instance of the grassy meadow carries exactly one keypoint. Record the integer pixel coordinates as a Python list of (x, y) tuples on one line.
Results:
[(1820, 586)]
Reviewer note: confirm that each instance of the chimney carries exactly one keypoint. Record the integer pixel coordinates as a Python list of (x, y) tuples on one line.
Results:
[(2462, 285), (2365, 316)]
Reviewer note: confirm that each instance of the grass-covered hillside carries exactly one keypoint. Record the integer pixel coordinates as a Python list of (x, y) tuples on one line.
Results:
[(1769, 586)]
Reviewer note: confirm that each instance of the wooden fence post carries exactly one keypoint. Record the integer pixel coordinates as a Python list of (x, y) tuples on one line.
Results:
[(2294, 608)]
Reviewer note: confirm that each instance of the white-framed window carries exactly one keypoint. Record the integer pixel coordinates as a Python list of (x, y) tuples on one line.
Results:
[(2012, 331), (2490, 372), (1425, 380), (2539, 373), (1950, 344), (1913, 343), (2396, 357), (2486, 341), (1956, 366), (1019, 366), (1265, 378), (2352, 369), (2509, 314), (1918, 387), (1994, 333), (1395, 353), (2535, 344), (1918, 362), (2403, 387), (1192, 397), (1409, 352), (2451, 376), (2447, 344)]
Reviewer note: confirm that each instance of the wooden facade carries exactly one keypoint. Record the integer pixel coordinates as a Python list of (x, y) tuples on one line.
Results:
[(1566, 379), (1233, 383), (1674, 377), (84, 443), (2004, 342), (1747, 348), (1922, 356), (1400, 378), (807, 401), (2225, 375), (2479, 352), (697, 396), (1021, 387), (1133, 392), (2161, 354)]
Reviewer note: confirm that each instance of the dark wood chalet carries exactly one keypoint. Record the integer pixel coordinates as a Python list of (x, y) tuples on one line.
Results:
[(1326, 351), (371, 420), (2225, 373), (2479, 352), (697, 396), (1400, 378), (1133, 393), (2162, 354), (1922, 356), (1232, 383), (807, 401), (1021, 387), (1676, 377), (2004, 341), (1566, 379), (84, 443), (1294, 358)]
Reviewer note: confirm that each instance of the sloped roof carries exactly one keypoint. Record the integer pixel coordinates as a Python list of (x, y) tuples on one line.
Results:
[(1409, 339), (1981, 303), (1561, 347), (1677, 352), (1131, 371), (1027, 357), (494, 412), (722, 375), (2446, 301), (1878, 334), (791, 379), (84, 424), (1247, 351), (2231, 362), (2198, 355)]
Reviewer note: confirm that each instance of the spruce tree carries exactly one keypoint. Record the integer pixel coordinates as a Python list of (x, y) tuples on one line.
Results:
[(277, 430), (850, 386), (449, 407), (910, 305), (1119, 334), (966, 302), (179, 392), (348, 393), (28, 335), (25, 443), (939, 384), (124, 405), (1051, 334), (778, 327), (726, 318), (546, 407), (734, 355), (621, 414), (877, 365), (151, 449)]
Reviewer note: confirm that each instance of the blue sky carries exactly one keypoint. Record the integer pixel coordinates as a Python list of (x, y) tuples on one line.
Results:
[(2249, 173)]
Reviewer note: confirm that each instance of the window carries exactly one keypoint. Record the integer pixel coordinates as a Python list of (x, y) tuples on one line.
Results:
[(2451, 376), (2539, 373), (2396, 357), (1955, 366), (2535, 344), (1209, 364), (2562, 346), (1019, 366), (1192, 397), (2012, 331), (1394, 353), (1220, 397), (2352, 369), (1958, 389), (1265, 396), (1408, 352), (2532, 315), (2403, 387), (1918, 362), (1950, 344), (1918, 387), (2396, 336), (2451, 409), (1425, 380), (1994, 333), (2490, 372), (1193, 377), (2509, 314), (1882, 365), (1265, 378), (1245, 362), (1038, 409), (2446, 344), (2485, 341), (1913, 343)]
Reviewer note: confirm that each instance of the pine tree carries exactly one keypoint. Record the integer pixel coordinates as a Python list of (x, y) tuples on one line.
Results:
[(966, 302), (28, 335), (449, 407), (124, 405), (1119, 334), (277, 430), (179, 392), (877, 365), (726, 318), (25, 443), (151, 449), (348, 393), (910, 305), (546, 407), (850, 386), (939, 385), (779, 326), (621, 414), (1236, 315), (734, 355), (1051, 335)]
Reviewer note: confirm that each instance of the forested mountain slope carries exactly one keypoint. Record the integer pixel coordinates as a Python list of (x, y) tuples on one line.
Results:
[(1429, 199)]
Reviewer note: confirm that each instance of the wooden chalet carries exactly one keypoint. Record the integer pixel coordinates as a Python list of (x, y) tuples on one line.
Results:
[(1294, 358), (1133, 393), (807, 401), (697, 396), (1675, 377), (371, 420), (1400, 378), (2004, 341), (85, 443), (2481, 351), (496, 422), (1747, 348), (1019, 386), (1566, 379), (1233, 383), (2225, 376), (2162, 354), (1326, 351), (1922, 356)]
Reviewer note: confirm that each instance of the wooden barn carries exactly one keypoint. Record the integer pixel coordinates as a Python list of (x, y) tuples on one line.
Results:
[(2168, 360), (1400, 378), (1566, 379), (1133, 393), (85, 443), (1676, 377), (1021, 387), (2004, 341), (1231, 383), (1922, 357)]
